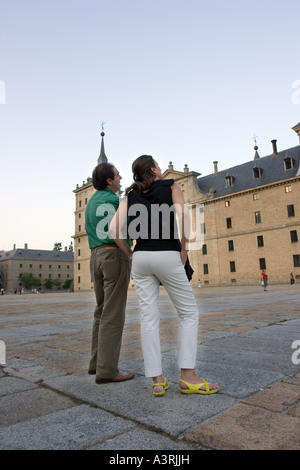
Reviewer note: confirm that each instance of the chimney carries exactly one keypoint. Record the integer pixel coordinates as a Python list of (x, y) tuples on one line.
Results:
[(297, 130), (274, 143), (215, 168), (14, 246), (26, 246)]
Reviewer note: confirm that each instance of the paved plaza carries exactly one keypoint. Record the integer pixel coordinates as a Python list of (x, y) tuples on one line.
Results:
[(249, 342)]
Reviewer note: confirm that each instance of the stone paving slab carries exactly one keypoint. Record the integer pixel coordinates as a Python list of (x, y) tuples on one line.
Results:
[(22, 406), (75, 428), (138, 439), (134, 400), (248, 428)]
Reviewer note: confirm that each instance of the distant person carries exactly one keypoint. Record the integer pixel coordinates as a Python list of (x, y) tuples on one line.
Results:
[(110, 272), (292, 279), (199, 284), (264, 280), (160, 258)]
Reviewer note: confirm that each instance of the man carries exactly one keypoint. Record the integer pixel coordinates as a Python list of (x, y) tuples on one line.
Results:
[(110, 272)]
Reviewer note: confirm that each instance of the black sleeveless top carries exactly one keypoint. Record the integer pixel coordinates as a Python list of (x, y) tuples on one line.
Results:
[(152, 218)]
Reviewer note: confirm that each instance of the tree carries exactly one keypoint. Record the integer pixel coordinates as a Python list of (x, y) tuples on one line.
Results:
[(67, 284), (29, 281), (49, 283)]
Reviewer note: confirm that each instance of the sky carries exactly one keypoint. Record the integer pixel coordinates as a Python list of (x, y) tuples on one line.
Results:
[(190, 82)]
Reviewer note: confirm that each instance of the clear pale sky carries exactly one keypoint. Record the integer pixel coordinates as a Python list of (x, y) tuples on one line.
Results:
[(186, 81)]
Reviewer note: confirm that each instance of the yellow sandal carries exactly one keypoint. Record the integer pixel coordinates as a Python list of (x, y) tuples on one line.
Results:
[(163, 384), (195, 388)]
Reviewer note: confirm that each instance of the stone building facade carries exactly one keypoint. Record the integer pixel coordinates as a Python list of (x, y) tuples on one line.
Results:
[(247, 218), (41, 264)]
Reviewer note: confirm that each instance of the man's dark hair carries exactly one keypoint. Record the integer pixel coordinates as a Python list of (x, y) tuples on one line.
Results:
[(100, 175)]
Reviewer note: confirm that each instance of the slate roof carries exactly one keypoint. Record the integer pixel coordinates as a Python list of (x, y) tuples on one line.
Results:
[(272, 169), (46, 255)]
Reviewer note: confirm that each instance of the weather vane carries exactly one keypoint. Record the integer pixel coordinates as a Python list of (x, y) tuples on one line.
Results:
[(102, 125), (254, 138)]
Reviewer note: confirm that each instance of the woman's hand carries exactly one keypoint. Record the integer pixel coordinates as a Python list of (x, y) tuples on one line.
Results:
[(183, 256)]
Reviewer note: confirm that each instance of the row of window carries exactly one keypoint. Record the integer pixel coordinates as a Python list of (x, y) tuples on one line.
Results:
[(257, 172), (258, 217), (260, 242), (41, 266), (50, 276), (262, 264)]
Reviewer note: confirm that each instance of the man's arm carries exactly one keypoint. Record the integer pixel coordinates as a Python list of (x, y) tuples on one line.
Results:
[(116, 225)]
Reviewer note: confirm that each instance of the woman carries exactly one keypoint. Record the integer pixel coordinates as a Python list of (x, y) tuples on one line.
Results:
[(159, 258)]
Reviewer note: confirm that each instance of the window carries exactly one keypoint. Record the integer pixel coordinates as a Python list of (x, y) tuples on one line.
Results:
[(294, 236), (228, 222), (86, 201), (288, 189), (262, 263), (256, 173), (230, 245), (296, 261), (202, 227), (288, 163), (257, 217), (205, 269), (78, 279), (204, 249), (30, 265), (79, 203), (260, 241), (227, 203), (50, 266), (78, 252), (79, 228), (291, 210), (255, 197), (21, 265), (40, 266), (232, 266), (229, 181), (78, 266)]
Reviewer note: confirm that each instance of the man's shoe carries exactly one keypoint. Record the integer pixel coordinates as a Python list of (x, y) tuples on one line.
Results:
[(121, 377)]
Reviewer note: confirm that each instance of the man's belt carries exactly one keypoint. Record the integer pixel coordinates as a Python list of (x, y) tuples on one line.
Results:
[(106, 245)]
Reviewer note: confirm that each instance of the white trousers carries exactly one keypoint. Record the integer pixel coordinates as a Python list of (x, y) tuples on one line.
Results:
[(149, 268)]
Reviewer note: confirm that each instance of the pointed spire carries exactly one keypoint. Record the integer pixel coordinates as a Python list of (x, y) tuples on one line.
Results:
[(256, 155), (102, 157)]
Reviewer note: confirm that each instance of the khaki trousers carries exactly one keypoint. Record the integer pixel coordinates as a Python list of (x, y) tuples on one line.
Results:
[(110, 272)]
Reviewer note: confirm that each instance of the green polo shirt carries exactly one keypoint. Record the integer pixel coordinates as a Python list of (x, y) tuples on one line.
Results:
[(99, 212)]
